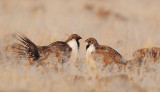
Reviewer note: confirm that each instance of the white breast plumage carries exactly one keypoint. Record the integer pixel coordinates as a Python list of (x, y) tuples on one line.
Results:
[(90, 49), (73, 44), (89, 57)]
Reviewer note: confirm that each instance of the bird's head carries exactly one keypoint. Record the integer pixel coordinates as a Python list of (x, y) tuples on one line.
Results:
[(73, 41), (91, 41), (75, 37)]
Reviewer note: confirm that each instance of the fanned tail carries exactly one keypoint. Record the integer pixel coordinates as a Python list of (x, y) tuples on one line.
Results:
[(26, 48)]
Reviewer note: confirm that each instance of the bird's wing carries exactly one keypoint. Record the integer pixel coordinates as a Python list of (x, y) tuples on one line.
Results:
[(60, 46), (107, 50), (108, 54), (61, 50)]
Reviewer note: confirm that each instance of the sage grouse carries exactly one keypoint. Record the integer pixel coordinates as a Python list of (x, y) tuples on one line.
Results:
[(62, 50), (147, 54), (105, 54)]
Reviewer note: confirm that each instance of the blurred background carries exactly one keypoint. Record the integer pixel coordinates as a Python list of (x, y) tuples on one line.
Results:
[(125, 25)]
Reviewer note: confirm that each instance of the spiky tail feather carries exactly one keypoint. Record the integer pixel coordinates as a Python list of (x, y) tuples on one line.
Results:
[(26, 48)]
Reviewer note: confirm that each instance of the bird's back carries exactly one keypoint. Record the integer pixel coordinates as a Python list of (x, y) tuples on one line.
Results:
[(147, 53), (108, 54)]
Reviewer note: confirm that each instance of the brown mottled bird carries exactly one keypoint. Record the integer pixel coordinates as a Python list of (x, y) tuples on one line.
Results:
[(147, 54), (62, 50), (106, 54)]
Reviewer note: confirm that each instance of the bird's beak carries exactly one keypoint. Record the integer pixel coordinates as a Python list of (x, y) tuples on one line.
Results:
[(80, 37)]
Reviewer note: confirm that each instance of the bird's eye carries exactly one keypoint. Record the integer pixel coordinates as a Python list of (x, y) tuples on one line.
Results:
[(89, 42)]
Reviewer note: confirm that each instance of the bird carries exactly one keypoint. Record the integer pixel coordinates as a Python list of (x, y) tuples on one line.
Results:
[(143, 56), (147, 54), (61, 50), (103, 53)]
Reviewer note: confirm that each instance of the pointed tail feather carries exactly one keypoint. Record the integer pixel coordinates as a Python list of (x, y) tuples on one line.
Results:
[(27, 48)]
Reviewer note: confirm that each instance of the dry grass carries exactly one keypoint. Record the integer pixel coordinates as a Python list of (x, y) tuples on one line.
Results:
[(125, 25)]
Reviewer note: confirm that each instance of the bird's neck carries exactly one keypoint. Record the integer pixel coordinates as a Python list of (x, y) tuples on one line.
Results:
[(74, 45), (90, 49), (89, 57)]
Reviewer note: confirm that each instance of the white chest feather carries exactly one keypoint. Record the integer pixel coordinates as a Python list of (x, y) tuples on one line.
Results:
[(89, 56), (73, 44), (89, 51)]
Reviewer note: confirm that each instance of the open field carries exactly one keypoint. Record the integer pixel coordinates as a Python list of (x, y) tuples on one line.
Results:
[(125, 25)]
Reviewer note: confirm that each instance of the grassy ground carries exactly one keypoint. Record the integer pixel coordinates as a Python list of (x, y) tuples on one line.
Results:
[(125, 25)]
